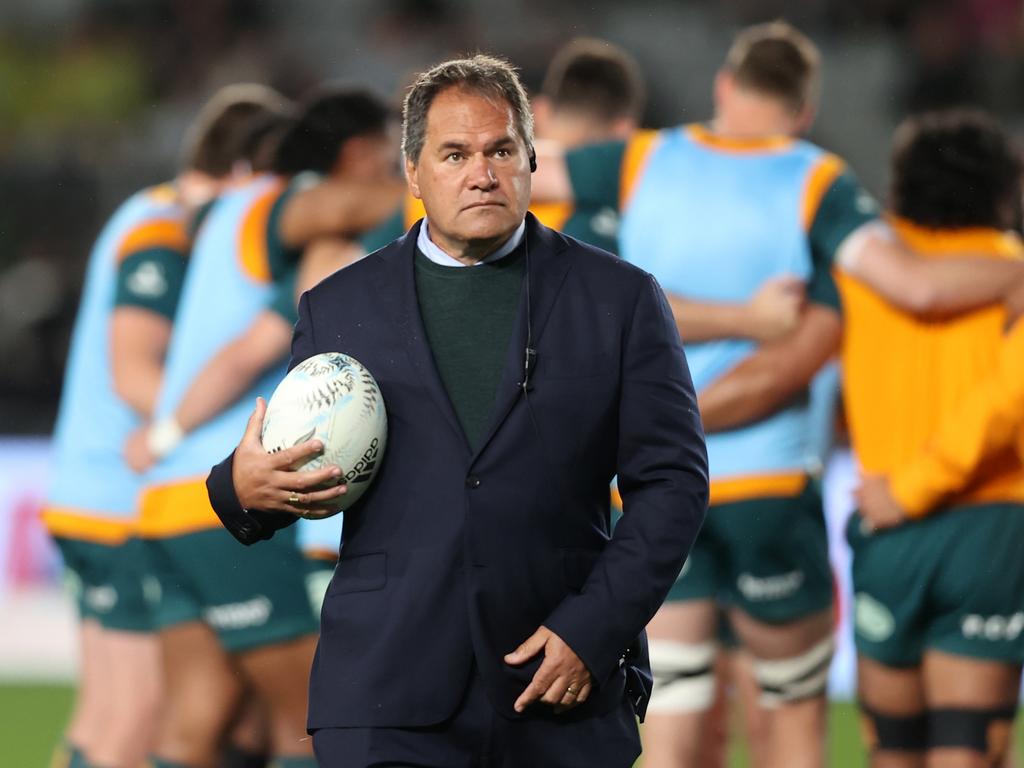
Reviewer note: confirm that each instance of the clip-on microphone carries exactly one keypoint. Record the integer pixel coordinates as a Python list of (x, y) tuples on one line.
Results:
[(529, 354)]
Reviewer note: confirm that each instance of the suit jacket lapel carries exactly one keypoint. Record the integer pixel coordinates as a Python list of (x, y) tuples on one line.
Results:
[(547, 268), (397, 286)]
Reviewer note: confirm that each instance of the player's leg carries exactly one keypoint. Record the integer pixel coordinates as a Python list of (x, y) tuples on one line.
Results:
[(683, 651), (736, 693), (781, 588), (86, 720), (893, 573), (279, 675), (201, 692), (713, 749), (971, 707), (85, 567), (747, 694), (256, 600), (134, 686), (248, 743), (975, 636), (790, 664), (683, 648), (894, 719), (134, 674), (201, 686)]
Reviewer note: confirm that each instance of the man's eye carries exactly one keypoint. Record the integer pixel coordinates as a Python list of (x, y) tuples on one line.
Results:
[(504, 154), (453, 156)]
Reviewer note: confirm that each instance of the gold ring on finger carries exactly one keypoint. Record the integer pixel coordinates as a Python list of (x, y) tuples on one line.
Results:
[(572, 691), (294, 498)]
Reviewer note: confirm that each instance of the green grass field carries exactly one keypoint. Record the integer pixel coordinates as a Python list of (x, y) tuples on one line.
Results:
[(31, 718)]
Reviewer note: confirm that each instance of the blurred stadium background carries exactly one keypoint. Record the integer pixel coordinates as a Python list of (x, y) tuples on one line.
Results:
[(95, 96)]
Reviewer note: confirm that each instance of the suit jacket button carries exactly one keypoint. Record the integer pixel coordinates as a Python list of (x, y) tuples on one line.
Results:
[(472, 481)]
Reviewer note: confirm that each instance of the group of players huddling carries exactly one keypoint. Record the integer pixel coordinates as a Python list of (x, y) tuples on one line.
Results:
[(196, 651)]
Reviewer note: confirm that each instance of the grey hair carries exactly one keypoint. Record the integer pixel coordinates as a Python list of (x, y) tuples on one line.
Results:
[(489, 76)]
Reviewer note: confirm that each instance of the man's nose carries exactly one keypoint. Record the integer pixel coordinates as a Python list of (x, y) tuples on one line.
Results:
[(481, 174)]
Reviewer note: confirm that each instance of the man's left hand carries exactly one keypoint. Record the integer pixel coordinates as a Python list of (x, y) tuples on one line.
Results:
[(877, 504), (563, 681)]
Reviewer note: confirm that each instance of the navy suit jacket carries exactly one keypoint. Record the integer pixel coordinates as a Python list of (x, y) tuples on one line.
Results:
[(453, 555)]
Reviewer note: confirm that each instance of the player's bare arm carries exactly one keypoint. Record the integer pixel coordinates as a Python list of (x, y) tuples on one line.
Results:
[(926, 287), (550, 183), (768, 379), (138, 343), (772, 313), (234, 369), (338, 207), (984, 423)]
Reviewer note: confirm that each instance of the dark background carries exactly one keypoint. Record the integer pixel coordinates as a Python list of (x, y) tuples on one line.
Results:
[(96, 94)]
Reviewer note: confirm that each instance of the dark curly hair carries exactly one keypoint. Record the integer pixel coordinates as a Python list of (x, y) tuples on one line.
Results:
[(955, 169), (328, 118)]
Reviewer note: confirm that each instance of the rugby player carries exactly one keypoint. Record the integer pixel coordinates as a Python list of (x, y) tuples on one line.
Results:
[(226, 612), (592, 92), (114, 371), (935, 409), (715, 211)]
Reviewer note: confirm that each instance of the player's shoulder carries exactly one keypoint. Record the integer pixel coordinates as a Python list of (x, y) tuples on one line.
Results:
[(354, 276), (817, 156), (594, 265)]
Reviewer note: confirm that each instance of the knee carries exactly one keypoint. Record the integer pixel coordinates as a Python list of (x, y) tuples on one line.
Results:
[(199, 715), (798, 678), (684, 679)]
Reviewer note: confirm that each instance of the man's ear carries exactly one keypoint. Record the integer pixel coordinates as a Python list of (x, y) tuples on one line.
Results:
[(412, 178)]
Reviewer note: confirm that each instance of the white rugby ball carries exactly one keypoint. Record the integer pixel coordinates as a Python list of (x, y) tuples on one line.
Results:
[(333, 398)]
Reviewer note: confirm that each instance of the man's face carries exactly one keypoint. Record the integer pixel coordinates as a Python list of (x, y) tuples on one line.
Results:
[(473, 174)]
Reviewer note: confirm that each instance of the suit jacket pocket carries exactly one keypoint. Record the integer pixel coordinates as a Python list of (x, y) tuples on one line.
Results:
[(577, 565), (364, 572)]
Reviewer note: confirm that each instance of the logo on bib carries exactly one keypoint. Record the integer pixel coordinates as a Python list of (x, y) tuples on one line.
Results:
[(873, 620), (995, 628), (148, 280), (605, 222)]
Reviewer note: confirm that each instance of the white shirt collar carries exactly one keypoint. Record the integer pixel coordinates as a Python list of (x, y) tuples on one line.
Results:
[(433, 252)]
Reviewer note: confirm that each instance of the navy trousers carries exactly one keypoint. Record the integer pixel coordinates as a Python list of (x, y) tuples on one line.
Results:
[(477, 737)]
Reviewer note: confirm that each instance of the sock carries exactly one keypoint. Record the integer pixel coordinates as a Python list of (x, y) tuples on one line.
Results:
[(234, 757), (294, 761), (67, 755)]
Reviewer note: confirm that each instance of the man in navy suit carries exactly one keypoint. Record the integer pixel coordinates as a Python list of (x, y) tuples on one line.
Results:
[(482, 613)]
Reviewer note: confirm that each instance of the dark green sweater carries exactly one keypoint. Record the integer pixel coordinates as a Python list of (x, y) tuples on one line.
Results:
[(468, 314)]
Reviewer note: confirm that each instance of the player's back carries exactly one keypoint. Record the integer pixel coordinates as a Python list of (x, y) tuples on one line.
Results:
[(902, 374), (228, 284), (713, 218), (90, 474)]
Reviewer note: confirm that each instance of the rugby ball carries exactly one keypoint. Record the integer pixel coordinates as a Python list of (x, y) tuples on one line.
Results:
[(333, 398)]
